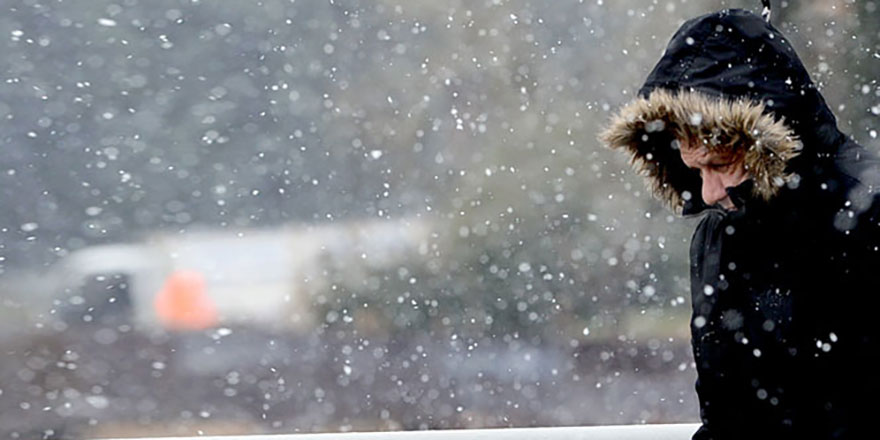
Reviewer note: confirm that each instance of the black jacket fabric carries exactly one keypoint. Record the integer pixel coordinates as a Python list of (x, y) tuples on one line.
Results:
[(784, 292)]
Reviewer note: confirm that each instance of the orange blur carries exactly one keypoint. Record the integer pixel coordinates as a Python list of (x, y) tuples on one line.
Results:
[(183, 304)]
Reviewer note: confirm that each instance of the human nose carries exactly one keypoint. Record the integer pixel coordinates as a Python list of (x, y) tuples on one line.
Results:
[(713, 189)]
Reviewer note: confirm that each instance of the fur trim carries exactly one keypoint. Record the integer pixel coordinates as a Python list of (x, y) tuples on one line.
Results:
[(648, 128)]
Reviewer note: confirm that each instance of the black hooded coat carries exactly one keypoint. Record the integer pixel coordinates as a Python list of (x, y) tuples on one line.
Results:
[(784, 288)]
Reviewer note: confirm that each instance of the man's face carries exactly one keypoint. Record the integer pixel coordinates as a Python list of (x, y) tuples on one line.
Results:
[(718, 170)]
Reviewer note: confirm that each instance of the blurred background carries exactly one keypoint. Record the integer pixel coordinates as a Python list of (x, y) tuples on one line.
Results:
[(284, 216)]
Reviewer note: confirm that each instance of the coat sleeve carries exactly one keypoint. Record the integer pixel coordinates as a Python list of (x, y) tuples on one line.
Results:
[(705, 254), (703, 432)]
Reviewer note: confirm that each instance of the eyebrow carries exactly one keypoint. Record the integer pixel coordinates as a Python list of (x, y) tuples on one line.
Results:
[(715, 161), (723, 161)]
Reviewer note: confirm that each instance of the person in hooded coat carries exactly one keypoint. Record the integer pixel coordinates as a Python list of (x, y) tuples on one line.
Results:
[(783, 283)]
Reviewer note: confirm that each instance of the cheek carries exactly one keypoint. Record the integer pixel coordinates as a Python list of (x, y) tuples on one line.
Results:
[(734, 178)]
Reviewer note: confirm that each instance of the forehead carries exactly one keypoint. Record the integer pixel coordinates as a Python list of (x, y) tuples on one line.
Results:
[(701, 155)]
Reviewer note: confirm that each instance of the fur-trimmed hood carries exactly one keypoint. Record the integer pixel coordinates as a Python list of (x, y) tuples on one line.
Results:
[(731, 81), (649, 130)]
